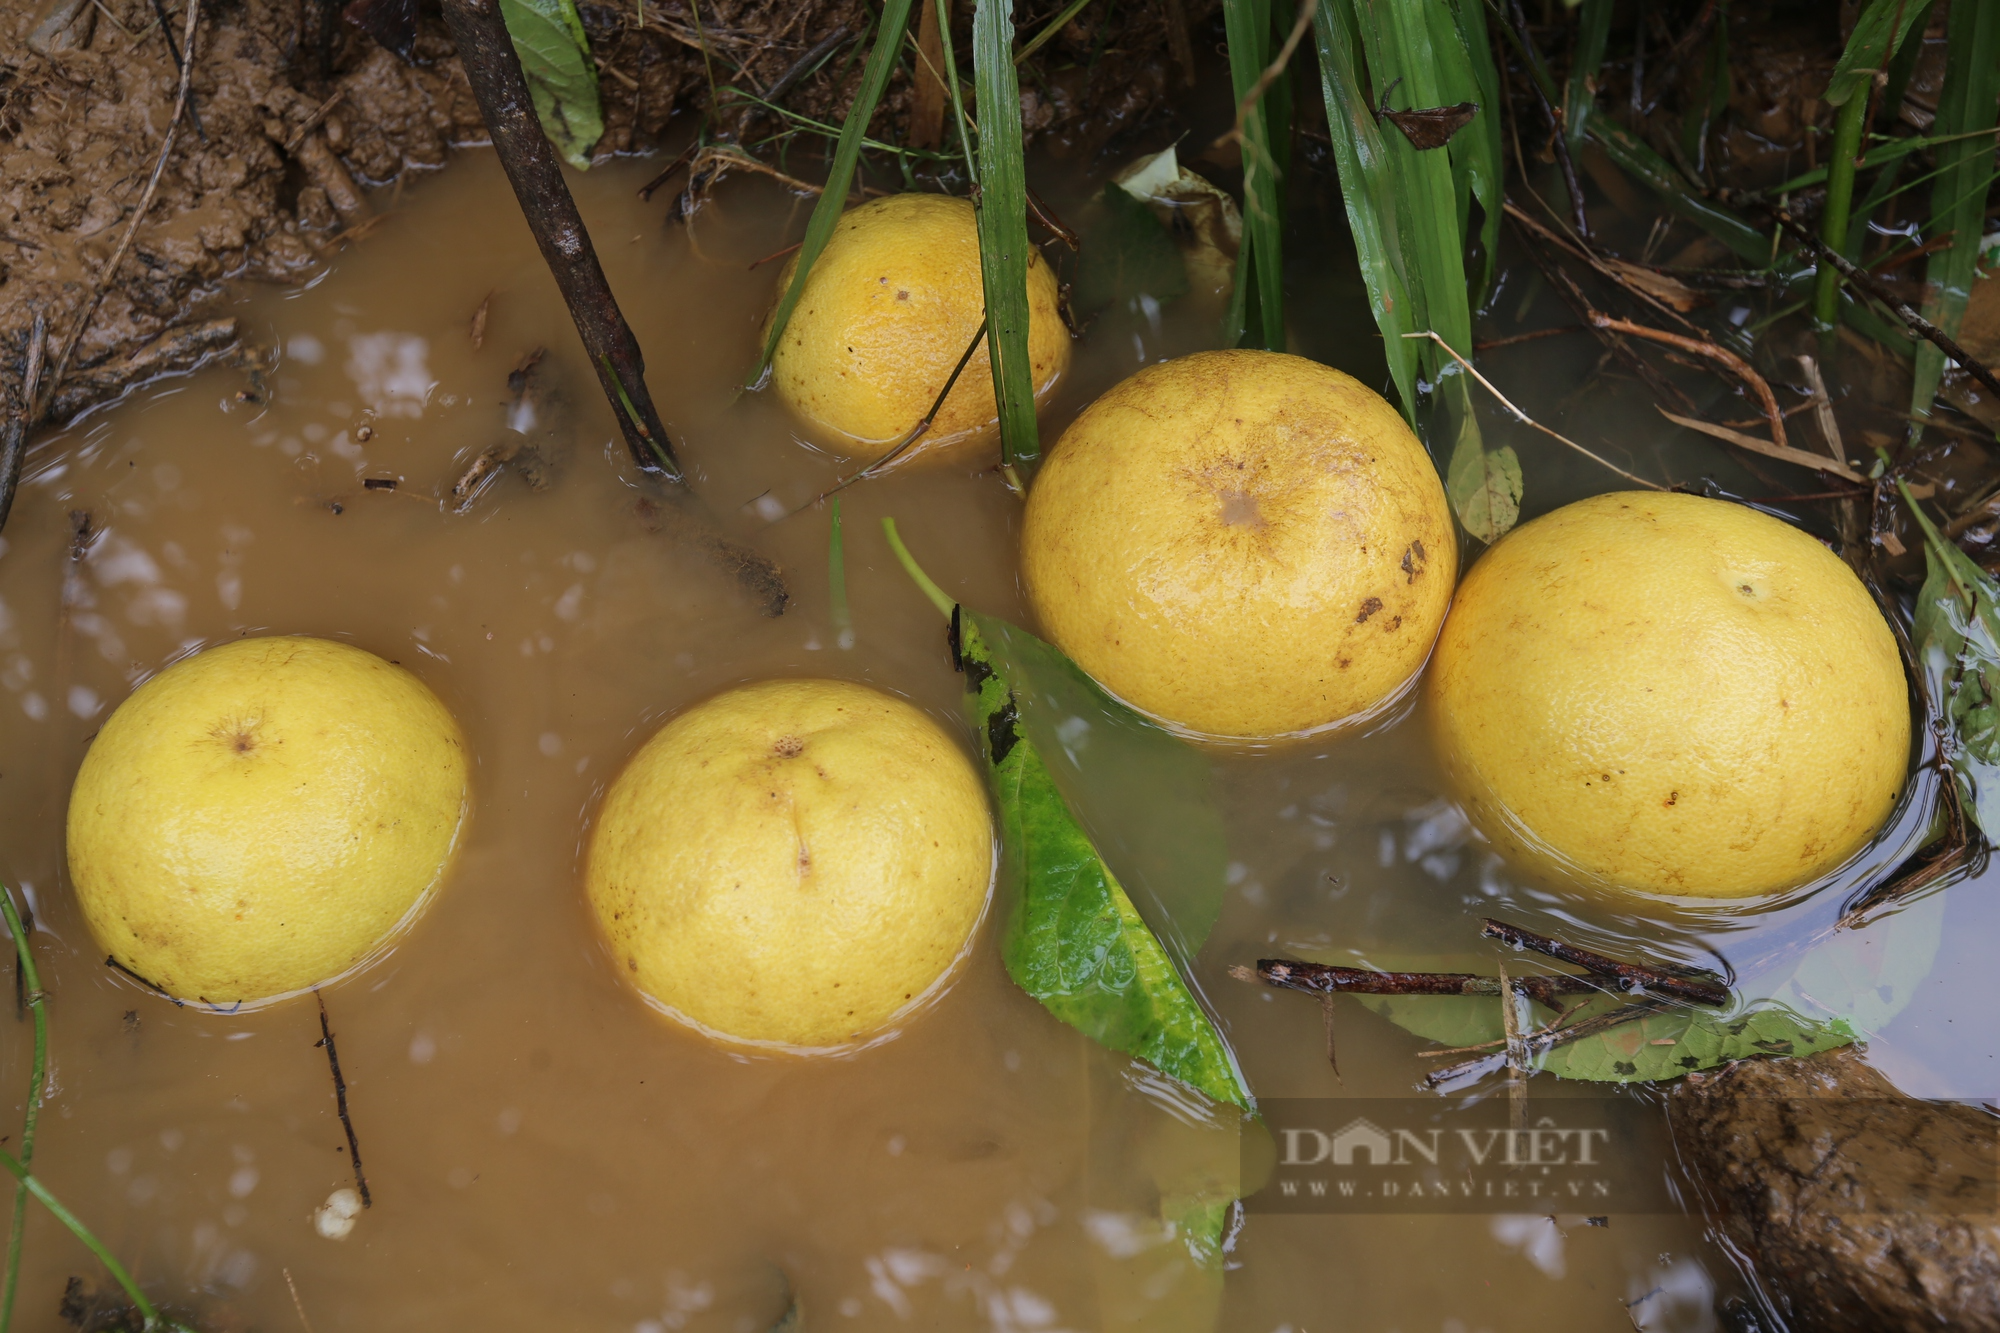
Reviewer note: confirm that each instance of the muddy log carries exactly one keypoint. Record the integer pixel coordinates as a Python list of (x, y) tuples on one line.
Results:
[(1862, 1209), (533, 169)]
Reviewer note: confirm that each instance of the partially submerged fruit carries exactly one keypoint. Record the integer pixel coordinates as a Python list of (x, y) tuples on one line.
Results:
[(261, 817), (1243, 544), (1672, 695), (891, 305), (792, 863)]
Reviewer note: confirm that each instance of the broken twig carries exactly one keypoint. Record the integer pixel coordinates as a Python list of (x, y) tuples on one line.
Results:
[(1674, 982), (340, 1099)]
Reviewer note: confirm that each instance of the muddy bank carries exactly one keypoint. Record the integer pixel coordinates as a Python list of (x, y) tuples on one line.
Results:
[(303, 129), (1860, 1208)]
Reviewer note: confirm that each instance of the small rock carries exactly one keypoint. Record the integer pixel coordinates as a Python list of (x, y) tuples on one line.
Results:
[(335, 1218)]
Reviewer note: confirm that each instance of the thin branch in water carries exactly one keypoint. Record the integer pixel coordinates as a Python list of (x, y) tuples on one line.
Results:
[(1327, 979), (903, 445), (1722, 356), (340, 1099), (297, 1304), (1527, 420), (1866, 282), (1557, 138), (1784, 453), (312, 122), (1332, 1056), (1546, 1040), (1677, 982), (1509, 341), (110, 269)]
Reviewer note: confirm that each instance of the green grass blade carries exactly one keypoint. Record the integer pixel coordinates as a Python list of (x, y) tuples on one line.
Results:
[(1049, 30), (832, 200), (1003, 228), (1878, 35), (1966, 106), (1367, 189), (1640, 161), (1398, 44), (1478, 155), (1257, 311), (1593, 30), (31, 985), (959, 118), (836, 577)]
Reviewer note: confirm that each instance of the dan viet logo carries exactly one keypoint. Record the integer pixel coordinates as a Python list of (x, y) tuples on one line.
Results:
[(1583, 1155)]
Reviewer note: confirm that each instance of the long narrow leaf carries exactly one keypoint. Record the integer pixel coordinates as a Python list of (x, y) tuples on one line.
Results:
[(1257, 316), (1477, 152), (1593, 29), (1966, 105), (1878, 34), (1003, 228), (1368, 191), (1650, 168), (833, 199)]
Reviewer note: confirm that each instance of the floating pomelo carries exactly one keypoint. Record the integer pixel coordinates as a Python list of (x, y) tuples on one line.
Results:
[(1671, 695), (1243, 544), (892, 304), (793, 863), (262, 816)]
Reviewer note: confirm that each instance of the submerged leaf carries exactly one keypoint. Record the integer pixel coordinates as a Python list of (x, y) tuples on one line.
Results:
[(562, 78), (1667, 1045), (1074, 941), (1128, 254), (1484, 485), (1956, 630)]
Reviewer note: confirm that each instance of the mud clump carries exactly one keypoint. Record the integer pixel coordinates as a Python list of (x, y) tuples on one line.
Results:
[(299, 118), (1863, 1209)]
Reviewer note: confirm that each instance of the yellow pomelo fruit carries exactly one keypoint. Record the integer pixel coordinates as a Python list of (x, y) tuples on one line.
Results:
[(1243, 544), (890, 307), (263, 816), (1670, 695), (792, 863)]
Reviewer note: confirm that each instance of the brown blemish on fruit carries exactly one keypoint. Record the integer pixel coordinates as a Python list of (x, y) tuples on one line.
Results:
[(1414, 560), (1368, 608), (789, 747), (1673, 798)]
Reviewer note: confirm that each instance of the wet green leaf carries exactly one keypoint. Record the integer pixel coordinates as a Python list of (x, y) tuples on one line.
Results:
[(562, 78), (1968, 104), (1142, 795), (1126, 253), (1667, 1045), (1485, 487), (1864, 977), (1956, 631), (1074, 941), (1003, 227), (1878, 34), (1451, 1021), (1256, 307)]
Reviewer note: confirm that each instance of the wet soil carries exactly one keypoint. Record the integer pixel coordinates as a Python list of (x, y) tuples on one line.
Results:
[(307, 129)]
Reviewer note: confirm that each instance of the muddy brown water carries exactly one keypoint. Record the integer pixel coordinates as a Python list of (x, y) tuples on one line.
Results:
[(543, 1150)]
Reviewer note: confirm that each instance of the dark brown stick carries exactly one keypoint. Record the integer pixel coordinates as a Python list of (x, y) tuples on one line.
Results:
[(340, 1099), (1628, 976), (174, 50), (1866, 282), (494, 73), (1559, 139), (1325, 979)]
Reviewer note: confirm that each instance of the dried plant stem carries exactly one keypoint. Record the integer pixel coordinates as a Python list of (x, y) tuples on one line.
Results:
[(1784, 453), (1627, 976), (1916, 322), (31, 986), (340, 1101), (110, 269), (1558, 139), (1326, 979), (14, 434), (1272, 73), (1722, 356), (1527, 420), (1547, 1039)]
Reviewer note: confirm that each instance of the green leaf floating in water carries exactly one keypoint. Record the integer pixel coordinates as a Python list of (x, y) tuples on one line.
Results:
[(1073, 939), (562, 78), (1956, 628), (1639, 1052)]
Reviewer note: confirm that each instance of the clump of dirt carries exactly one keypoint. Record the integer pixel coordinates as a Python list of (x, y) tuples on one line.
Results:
[(300, 118), (1864, 1209)]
